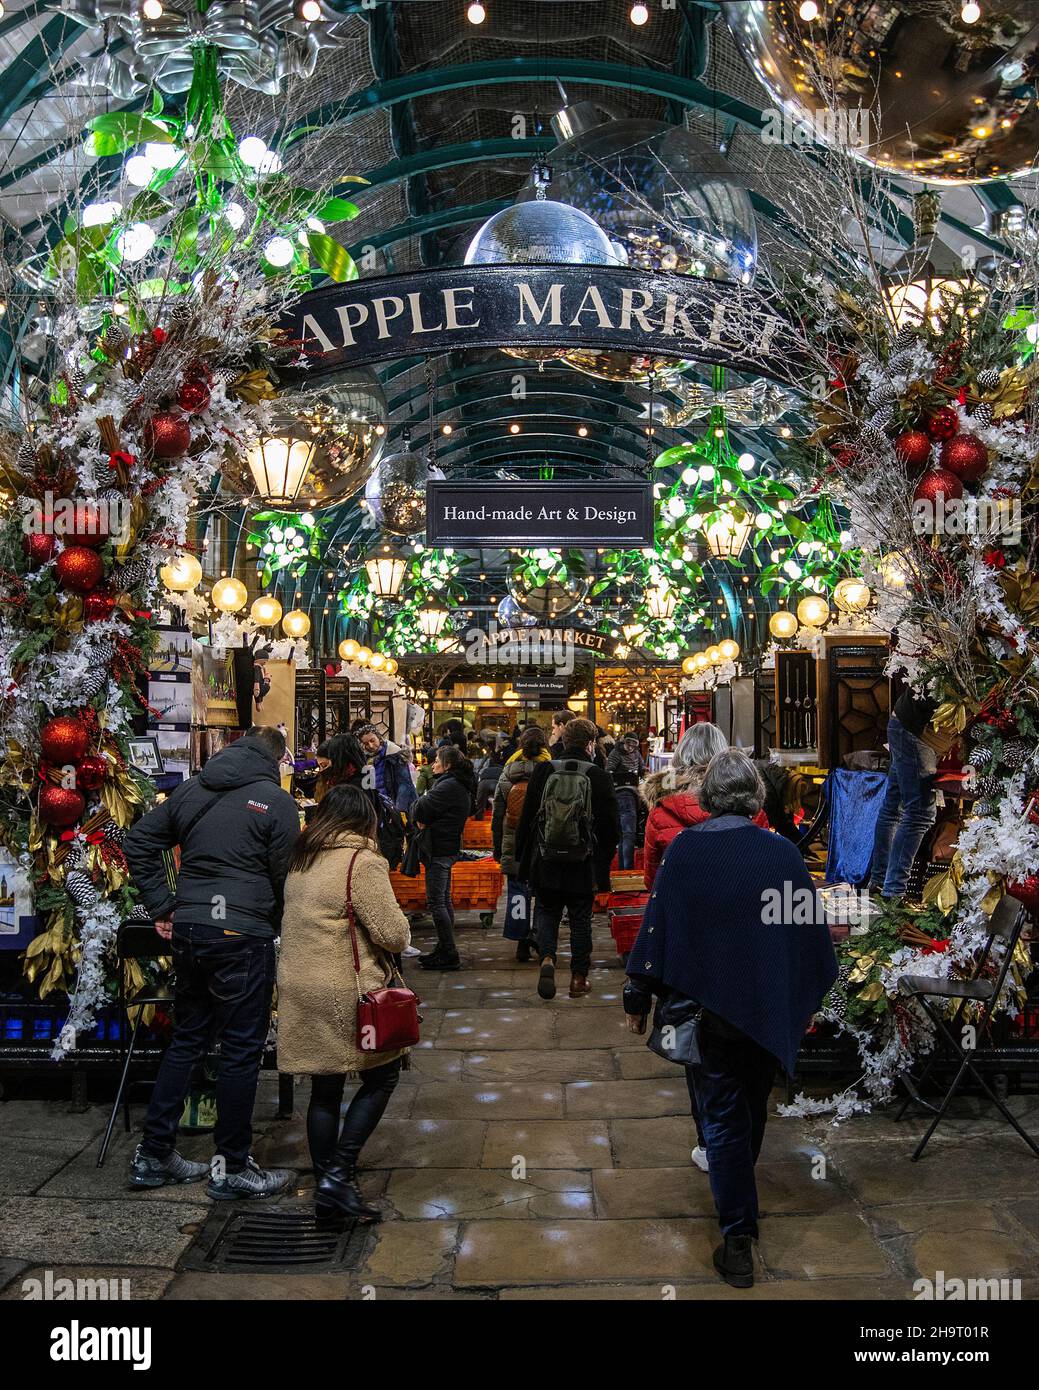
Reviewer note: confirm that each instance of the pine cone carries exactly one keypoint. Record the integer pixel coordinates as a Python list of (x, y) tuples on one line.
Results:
[(130, 575), (980, 756), (26, 454), (987, 786), (983, 414), (988, 378), (1017, 754), (80, 888), (904, 338), (984, 808)]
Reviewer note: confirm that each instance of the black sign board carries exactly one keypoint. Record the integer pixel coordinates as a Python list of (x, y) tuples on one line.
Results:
[(542, 685), (540, 514), (611, 308)]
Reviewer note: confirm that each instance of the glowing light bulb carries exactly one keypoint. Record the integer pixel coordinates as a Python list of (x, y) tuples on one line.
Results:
[(476, 14), (139, 170), (278, 251), (135, 242), (309, 11), (253, 151), (639, 14), (99, 214), (971, 13), (809, 10), (161, 155), (152, 9), (746, 462), (234, 215)]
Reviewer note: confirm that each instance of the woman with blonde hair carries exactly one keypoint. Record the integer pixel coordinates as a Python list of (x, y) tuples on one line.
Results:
[(673, 794), (337, 856)]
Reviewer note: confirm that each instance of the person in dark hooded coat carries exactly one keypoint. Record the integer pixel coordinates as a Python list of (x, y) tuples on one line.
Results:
[(733, 924), (442, 813)]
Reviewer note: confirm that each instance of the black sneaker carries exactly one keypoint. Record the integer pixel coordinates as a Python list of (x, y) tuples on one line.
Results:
[(252, 1182), (440, 962), (430, 957), (547, 979), (734, 1261), (147, 1171)]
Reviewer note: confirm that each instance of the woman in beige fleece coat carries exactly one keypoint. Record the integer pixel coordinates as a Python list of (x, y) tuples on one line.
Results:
[(318, 987)]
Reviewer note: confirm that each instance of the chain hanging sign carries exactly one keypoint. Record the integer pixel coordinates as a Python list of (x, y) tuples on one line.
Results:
[(565, 306), (538, 513)]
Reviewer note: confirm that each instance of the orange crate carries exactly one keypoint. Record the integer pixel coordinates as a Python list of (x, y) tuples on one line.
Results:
[(477, 834), (476, 885)]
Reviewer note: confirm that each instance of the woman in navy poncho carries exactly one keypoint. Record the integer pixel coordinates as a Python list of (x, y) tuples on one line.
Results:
[(733, 924)]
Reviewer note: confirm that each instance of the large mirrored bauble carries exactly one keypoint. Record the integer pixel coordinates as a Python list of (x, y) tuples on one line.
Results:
[(396, 493), (323, 447), (658, 192), (511, 615), (541, 232), (553, 600), (909, 86)]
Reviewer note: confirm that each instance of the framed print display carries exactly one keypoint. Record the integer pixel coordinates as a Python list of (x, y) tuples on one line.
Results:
[(170, 701), (17, 923), (145, 755), (173, 651)]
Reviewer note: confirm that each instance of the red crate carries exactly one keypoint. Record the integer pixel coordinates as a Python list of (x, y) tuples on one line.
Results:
[(624, 914)]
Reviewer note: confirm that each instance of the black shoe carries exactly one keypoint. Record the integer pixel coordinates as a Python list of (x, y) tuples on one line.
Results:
[(525, 949), (436, 961), (547, 979), (338, 1196), (734, 1261), (430, 957)]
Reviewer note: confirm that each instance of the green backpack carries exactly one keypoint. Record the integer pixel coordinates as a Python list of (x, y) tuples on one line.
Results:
[(565, 833)]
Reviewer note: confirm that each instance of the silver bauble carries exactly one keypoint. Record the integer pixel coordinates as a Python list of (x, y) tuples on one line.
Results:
[(551, 601), (396, 493), (917, 91), (334, 433), (541, 232)]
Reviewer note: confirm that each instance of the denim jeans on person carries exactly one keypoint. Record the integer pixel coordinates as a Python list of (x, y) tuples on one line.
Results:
[(438, 900), (907, 813), (224, 983), (548, 913), (327, 1136), (628, 808), (519, 910), (731, 1086)]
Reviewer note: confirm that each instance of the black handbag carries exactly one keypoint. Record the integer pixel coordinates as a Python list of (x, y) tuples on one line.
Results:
[(416, 853), (675, 1034)]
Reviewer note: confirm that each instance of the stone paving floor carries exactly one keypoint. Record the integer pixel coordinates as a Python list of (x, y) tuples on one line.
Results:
[(540, 1151)]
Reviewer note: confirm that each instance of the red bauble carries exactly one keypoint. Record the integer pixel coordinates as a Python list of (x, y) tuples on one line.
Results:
[(938, 482), (193, 396), (914, 449), (39, 546), (966, 456), (79, 569), (61, 806), (90, 527), (64, 740), (1026, 891), (97, 606), (167, 436), (91, 772), (944, 423)]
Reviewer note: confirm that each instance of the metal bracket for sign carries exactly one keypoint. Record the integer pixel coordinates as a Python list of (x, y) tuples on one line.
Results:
[(440, 533)]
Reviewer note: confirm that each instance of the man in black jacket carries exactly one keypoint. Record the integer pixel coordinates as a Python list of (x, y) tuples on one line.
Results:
[(570, 886), (442, 813), (236, 829)]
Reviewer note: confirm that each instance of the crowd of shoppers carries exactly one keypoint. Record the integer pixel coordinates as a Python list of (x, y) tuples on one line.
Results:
[(736, 993)]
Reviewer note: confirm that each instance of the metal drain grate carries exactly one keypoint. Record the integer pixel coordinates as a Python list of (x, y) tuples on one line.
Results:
[(277, 1240)]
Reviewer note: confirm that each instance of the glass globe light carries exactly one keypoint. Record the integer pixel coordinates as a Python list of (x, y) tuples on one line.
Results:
[(265, 611), (348, 649), (377, 661), (713, 655), (392, 666), (689, 666), (296, 623), (782, 624), (229, 595), (181, 574), (729, 649), (364, 656), (700, 662), (852, 595), (485, 692), (509, 697), (813, 611)]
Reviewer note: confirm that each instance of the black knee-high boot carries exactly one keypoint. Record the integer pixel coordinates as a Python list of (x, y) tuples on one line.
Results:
[(337, 1192)]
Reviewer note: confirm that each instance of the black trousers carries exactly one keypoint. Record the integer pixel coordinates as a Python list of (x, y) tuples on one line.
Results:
[(328, 1140), (223, 990)]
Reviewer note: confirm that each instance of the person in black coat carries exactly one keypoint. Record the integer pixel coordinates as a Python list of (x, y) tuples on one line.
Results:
[(441, 814), (236, 829), (570, 886)]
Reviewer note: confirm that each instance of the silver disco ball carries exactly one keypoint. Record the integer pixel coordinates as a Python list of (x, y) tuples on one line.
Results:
[(396, 492), (657, 191), (541, 232), (556, 599), (511, 615)]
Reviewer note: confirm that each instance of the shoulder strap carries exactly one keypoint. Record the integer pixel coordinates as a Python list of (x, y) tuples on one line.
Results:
[(205, 810), (351, 921)]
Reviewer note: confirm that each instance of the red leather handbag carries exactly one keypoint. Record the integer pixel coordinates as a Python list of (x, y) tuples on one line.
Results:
[(387, 1018)]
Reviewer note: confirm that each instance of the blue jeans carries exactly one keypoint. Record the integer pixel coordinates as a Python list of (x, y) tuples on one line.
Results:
[(732, 1086), (519, 919), (223, 990), (628, 808), (907, 813), (438, 899)]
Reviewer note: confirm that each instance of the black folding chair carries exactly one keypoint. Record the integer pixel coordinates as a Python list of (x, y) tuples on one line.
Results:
[(1005, 925), (134, 942)]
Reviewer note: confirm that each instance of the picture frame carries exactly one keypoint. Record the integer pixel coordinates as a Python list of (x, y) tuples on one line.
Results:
[(17, 922), (145, 755)]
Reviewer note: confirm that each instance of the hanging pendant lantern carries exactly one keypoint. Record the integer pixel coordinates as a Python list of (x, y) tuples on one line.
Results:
[(661, 601), (431, 617), (386, 567), (726, 533)]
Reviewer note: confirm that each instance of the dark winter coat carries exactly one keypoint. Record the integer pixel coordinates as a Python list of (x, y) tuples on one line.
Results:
[(445, 809), (577, 880), (233, 862)]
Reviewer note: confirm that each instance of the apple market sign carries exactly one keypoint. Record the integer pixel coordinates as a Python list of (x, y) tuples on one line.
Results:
[(612, 308)]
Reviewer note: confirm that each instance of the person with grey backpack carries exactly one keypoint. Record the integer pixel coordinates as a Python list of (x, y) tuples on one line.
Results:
[(565, 841)]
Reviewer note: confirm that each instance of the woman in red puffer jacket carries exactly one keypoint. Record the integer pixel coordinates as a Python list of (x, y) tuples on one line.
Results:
[(672, 795)]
